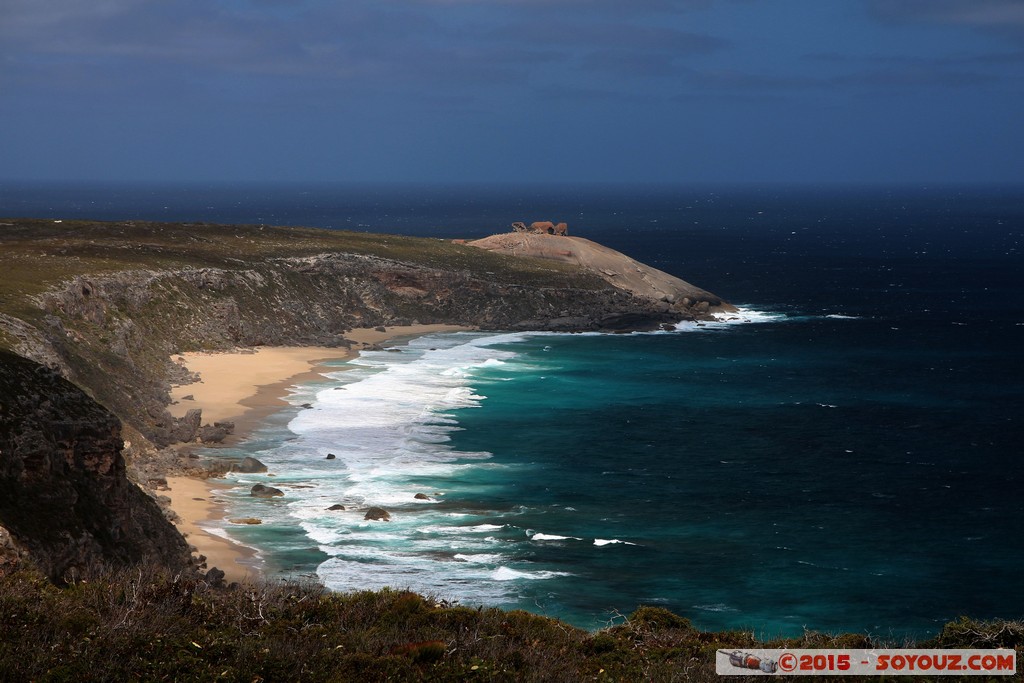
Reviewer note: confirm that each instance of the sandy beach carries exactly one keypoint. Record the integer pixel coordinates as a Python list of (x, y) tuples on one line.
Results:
[(244, 386), (195, 501)]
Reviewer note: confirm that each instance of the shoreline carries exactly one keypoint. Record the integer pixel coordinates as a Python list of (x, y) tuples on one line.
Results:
[(244, 386), (196, 503)]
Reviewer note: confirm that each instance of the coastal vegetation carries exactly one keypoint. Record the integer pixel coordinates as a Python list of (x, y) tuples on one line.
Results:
[(146, 624), (39, 254)]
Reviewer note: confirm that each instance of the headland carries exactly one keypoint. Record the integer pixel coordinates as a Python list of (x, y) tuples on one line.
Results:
[(109, 307)]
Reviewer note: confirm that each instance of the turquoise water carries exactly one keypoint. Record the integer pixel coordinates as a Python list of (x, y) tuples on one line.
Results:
[(745, 475)]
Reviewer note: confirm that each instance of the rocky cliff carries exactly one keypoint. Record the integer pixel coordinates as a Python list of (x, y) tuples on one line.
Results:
[(115, 333), (64, 498)]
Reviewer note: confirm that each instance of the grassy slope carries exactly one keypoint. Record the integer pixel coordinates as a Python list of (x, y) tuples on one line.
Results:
[(36, 255), (147, 626)]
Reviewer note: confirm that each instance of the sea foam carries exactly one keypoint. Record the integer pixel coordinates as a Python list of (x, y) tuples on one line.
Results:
[(744, 315), (387, 418)]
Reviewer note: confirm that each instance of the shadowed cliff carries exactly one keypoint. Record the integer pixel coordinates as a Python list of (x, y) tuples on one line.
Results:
[(64, 495)]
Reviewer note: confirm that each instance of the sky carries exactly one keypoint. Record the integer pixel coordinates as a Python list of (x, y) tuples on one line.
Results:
[(500, 91)]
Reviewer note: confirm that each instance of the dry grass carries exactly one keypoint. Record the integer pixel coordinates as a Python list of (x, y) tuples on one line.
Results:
[(147, 625)]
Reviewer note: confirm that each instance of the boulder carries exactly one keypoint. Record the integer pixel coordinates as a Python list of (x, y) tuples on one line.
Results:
[(377, 514), (261, 491), (185, 427), (331, 456), (215, 577), (336, 507), (422, 496), (249, 465), (212, 434)]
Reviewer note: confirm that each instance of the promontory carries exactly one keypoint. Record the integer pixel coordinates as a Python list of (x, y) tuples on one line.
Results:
[(91, 313)]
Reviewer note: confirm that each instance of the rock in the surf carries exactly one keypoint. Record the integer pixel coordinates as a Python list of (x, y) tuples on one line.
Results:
[(378, 514), (250, 465), (261, 491)]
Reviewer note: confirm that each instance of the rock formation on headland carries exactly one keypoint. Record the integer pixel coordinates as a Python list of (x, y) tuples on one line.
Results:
[(105, 305), (542, 228), (614, 267)]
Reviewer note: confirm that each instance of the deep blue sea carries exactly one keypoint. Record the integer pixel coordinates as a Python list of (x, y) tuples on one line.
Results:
[(845, 457)]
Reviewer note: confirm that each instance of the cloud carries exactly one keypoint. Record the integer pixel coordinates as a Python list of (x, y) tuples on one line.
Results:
[(418, 46), (969, 12), (1000, 17), (486, 52)]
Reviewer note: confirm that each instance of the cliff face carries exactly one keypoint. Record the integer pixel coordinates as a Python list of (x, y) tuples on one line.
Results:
[(114, 333), (64, 498)]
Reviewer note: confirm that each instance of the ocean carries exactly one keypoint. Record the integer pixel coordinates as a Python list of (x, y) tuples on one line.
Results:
[(844, 456)]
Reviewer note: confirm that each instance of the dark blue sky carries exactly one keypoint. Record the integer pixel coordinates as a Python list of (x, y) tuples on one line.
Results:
[(676, 91)]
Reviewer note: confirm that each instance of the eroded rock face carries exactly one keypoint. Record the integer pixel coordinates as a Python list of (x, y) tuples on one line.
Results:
[(11, 554), (64, 496), (293, 301)]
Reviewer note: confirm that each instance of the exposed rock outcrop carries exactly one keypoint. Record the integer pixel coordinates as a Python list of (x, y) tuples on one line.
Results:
[(542, 228), (614, 267), (64, 497)]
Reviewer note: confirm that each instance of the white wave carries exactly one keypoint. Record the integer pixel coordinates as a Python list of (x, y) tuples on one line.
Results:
[(388, 419), (611, 541), (840, 316), (742, 316), (222, 533), (553, 537), (455, 580), (480, 558), (507, 574), (717, 607), (457, 530)]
